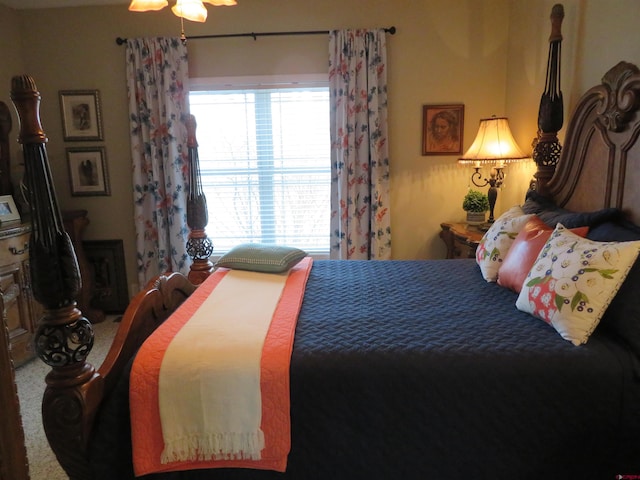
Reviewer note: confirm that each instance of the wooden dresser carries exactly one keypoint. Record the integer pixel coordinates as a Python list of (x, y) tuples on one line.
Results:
[(21, 311)]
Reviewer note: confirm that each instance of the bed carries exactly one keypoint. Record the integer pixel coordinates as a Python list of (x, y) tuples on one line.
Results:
[(399, 369)]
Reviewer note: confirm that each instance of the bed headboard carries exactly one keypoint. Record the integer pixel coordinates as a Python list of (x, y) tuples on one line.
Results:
[(600, 164)]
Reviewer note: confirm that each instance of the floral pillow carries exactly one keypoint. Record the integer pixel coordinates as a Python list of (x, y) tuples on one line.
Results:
[(496, 242), (573, 281)]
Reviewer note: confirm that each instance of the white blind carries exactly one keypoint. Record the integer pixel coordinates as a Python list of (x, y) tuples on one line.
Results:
[(265, 163)]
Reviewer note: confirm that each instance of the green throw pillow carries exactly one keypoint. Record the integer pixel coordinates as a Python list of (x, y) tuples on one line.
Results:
[(261, 258)]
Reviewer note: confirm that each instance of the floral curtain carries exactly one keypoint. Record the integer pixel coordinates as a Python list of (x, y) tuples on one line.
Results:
[(360, 218), (157, 82)]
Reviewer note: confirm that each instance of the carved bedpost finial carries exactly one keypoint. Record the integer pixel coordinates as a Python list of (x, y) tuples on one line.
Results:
[(557, 15), (547, 150), (199, 246), (64, 337)]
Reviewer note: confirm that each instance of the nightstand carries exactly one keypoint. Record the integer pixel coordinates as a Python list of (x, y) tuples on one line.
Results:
[(461, 239)]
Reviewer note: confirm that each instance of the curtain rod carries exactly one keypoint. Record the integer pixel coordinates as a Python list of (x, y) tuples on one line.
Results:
[(391, 30)]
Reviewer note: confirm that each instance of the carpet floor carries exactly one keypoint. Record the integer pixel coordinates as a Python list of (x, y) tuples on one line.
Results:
[(30, 382)]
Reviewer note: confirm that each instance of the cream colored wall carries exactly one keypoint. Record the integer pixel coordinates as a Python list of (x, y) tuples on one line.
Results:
[(489, 55), (608, 34)]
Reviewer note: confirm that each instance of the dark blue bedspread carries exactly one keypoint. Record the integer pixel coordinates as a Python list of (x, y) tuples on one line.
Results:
[(422, 370)]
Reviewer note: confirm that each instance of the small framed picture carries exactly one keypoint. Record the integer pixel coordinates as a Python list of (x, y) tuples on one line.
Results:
[(81, 116), (8, 210), (442, 129), (88, 171)]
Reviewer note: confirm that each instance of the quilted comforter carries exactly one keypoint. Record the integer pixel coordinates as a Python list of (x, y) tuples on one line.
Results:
[(422, 370)]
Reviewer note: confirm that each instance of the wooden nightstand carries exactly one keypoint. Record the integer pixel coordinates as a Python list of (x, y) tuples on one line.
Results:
[(461, 239)]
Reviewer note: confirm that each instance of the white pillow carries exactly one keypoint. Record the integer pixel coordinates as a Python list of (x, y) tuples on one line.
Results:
[(496, 242), (573, 281)]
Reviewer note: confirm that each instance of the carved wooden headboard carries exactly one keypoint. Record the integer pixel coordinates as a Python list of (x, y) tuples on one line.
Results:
[(600, 163)]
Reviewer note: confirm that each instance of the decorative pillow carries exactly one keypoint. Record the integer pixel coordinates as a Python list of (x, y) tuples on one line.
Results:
[(620, 230), (573, 281), (524, 251), (496, 242), (261, 258), (551, 214), (623, 315)]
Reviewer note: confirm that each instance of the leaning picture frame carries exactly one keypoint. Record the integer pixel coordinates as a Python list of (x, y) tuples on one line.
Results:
[(81, 115), (88, 173), (442, 129), (8, 210)]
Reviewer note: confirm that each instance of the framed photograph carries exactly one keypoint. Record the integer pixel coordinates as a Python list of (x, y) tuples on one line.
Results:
[(109, 275), (81, 116), (88, 171), (442, 129), (8, 210)]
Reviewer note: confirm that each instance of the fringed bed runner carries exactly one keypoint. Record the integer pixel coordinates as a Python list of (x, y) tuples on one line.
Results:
[(210, 388)]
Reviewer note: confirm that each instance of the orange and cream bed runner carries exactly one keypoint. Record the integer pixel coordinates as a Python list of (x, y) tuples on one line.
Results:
[(211, 387)]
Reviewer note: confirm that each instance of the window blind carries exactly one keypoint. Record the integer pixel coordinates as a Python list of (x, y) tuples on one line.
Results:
[(265, 164)]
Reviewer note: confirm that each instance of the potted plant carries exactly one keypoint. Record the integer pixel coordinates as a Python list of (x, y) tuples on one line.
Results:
[(476, 205)]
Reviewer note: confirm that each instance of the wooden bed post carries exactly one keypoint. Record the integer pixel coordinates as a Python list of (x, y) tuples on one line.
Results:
[(547, 149), (64, 337), (199, 246)]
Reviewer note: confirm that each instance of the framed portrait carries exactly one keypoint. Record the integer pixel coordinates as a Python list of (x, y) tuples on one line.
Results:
[(88, 173), (81, 116), (8, 210), (442, 129)]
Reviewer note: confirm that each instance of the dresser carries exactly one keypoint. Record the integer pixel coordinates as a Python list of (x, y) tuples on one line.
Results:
[(21, 311), (13, 453)]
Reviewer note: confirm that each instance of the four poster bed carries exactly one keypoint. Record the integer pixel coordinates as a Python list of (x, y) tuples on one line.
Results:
[(399, 369)]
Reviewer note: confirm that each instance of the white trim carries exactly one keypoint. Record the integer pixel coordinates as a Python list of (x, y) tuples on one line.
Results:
[(258, 81)]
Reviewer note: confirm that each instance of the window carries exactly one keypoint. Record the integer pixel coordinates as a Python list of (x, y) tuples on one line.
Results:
[(264, 155)]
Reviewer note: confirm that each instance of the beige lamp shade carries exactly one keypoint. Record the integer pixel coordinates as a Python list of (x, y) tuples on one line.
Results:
[(220, 3), (147, 5), (494, 143), (193, 10)]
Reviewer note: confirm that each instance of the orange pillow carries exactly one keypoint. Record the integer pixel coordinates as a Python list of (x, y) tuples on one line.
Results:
[(524, 251)]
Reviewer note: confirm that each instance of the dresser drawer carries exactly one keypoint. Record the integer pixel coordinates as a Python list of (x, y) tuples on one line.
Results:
[(14, 249)]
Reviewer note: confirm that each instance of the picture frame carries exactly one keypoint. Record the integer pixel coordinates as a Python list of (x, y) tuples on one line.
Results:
[(88, 174), (8, 210), (108, 274), (81, 115), (442, 129)]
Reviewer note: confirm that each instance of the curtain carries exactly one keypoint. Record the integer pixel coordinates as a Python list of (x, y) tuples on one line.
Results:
[(157, 82), (360, 217)]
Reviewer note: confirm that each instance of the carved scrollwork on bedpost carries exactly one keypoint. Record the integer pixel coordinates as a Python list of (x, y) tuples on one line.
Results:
[(199, 246), (64, 337), (547, 148)]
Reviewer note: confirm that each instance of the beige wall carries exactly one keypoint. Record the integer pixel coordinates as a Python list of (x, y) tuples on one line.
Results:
[(489, 55)]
